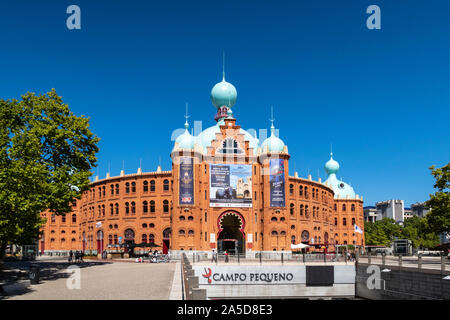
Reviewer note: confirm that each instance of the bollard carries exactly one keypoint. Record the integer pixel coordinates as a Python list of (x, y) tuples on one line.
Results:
[(345, 256), (383, 259), (198, 294), (400, 261), (282, 258), (260, 258), (238, 258), (442, 264), (304, 258), (419, 261), (369, 258)]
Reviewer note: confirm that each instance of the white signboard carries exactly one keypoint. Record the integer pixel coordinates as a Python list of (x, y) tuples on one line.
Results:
[(250, 237), (212, 237), (215, 275)]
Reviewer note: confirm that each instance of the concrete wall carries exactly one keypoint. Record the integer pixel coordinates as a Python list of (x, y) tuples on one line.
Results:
[(404, 284)]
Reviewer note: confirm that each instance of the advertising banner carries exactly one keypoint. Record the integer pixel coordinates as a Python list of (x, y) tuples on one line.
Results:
[(277, 183), (186, 183), (230, 185)]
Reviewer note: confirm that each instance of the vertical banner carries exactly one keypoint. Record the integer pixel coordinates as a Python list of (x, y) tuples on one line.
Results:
[(186, 181), (276, 180)]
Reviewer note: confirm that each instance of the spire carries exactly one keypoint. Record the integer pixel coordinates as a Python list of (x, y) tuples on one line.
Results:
[(223, 66), (272, 127), (186, 124)]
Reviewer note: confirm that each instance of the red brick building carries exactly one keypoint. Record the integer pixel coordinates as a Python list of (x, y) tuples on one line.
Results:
[(227, 190)]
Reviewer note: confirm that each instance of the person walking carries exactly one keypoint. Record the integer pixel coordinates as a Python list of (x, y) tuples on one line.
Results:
[(70, 256), (81, 256)]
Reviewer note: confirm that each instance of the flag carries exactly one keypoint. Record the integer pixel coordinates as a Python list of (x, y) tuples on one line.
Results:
[(358, 229)]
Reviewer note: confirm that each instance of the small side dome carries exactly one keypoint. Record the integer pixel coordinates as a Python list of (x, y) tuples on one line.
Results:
[(273, 143), (223, 94), (185, 141), (331, 166)]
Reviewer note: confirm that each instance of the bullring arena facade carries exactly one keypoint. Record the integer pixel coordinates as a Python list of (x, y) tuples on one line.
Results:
[(227, 190)]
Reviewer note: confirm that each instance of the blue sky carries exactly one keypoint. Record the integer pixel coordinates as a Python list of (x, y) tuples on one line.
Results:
[(381, 97)]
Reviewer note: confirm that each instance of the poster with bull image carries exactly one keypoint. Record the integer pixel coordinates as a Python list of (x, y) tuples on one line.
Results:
[(277, 184), (230, 185), (186, 182)]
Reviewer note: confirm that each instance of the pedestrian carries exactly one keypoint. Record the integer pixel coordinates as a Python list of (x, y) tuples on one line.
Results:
[(226, 256), (70, 256), (81, 256), (213, 257)]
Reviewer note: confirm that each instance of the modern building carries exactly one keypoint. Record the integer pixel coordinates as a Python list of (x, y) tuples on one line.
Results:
[(419, 209), (370, 214), (226, 190), (393, 209)]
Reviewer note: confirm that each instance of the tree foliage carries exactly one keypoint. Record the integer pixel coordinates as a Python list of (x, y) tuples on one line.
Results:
[(383, 232), (439, 217), (46, 154)]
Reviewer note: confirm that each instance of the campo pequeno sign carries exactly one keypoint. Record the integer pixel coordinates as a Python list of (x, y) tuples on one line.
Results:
[(250, 274)]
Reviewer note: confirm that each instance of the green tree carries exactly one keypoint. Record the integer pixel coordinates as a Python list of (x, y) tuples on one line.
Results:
[(419, 232), (439, 217), (46, 154)]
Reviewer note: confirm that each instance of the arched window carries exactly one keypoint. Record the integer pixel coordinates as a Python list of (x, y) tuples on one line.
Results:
[(145, 184), (182, 218), (103, 190), (145, 206), (151, 225), (133, 186), (115, 239), (152, 206), (344, 207), (274, 233), (144, 238), (306, 211), (300, 191), (127, 208), (335, 221), (117, 209), (111, 209), (181, 232), (110, 239), (133, 207), (282, 219), (306, 192), (353, 221), (74, 218), (103, 210), (274, 219), (117, 188), (292, 227), (166, 206), (344, 221), (144, 225), (291, 189), (112, 189), (166, 185), (293, 239), (283, 233), (151, 238), (291, 209), (63, 218), (301, 210), (353, 207), (190, 218), (191, 232), (152, 185), (335, 207), (127, 187)]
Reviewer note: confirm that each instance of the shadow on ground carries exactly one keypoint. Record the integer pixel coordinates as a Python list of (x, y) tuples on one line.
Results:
[(15, 274)]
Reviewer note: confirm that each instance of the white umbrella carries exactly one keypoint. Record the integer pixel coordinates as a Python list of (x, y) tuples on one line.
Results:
[(299, 246)]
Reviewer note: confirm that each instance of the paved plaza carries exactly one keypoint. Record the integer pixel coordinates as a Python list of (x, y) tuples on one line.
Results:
[(99, 280)]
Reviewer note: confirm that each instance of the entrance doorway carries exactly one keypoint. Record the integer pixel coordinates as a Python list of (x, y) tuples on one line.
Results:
[(128, 240), (166, 240), (231, 236), (99, 242)]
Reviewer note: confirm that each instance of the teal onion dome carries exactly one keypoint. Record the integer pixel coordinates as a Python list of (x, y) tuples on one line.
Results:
[(273, 143), (185, 141), (223, 94), (341, 189), (331, 166)]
